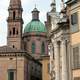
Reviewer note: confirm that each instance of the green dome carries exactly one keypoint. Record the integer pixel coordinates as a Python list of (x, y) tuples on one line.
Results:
[(35, 26)]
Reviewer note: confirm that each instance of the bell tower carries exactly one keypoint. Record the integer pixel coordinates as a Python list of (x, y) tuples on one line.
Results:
[(15, 24)]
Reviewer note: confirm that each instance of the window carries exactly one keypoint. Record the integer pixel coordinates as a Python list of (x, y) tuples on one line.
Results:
[(25, 45), (13, 46), (13, 31), (76, 61), (17, 32), (76, 78), (74, 22), (33, 47), (74, 18), (10, 33), (43, 48), (14, 15), (11, 74)]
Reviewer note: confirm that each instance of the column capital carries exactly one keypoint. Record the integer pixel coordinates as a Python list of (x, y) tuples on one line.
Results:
[(63, 42), (56, 44)]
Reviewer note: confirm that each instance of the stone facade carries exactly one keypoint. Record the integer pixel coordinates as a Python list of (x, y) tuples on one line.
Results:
[(17, 61), (73, 9), (64, 42), (21, 63)]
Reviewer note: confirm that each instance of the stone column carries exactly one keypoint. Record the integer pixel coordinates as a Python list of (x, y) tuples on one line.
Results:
[(64, 61), (51, 63), (57, 61)]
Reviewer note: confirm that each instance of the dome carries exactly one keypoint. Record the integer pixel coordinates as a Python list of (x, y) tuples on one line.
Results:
[(35, 26)]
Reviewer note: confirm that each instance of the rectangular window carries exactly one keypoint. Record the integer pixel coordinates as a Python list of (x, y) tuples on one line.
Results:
[(11, 74), (76, 61), (74, 22), (76, 78), (74, 19)]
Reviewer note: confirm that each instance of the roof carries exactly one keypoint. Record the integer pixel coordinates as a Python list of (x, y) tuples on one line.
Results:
[(9, 49), (35, 26), (35, 10)]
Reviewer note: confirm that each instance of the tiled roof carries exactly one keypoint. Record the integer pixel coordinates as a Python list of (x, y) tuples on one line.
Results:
[(9, 49)]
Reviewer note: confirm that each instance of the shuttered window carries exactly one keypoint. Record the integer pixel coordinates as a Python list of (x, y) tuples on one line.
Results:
[(77, 78), (10, 74), (76, 56), (43, 48), (33, 47), (74, 22), (74, 19)]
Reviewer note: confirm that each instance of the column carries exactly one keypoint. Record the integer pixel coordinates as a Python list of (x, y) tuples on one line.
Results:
[(64, 60), (69, 61), (57, 61), (51, 63)]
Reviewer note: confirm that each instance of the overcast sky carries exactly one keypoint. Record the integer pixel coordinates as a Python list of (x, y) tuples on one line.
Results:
[(28, 5)]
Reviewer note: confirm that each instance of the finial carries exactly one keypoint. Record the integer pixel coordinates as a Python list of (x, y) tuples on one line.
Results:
[(53, 5), (35, 5), (62, 4), (53, 1)]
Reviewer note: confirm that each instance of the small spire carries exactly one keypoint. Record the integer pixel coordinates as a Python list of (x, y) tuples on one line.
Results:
[(35, 5), (35, 14), (62, 5), (53, 5), (53, 1)]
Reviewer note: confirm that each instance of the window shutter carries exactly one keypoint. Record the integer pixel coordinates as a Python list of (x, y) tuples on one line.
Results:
[(43, 47), (10, 74), (74, 22), (76, 62), (76, 78), (33, 47)]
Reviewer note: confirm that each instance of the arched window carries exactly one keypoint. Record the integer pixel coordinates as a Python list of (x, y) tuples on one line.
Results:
[(13, 31), (43, 48), (24, 45), (13, 46), (33, 47), (14, 15), (17, 32), (10, 33)]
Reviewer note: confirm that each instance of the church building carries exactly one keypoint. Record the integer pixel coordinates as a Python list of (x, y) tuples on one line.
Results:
[(64, 40), (25, 57)]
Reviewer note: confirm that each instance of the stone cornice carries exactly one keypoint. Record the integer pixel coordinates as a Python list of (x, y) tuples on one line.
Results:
[(19, 54), (70, 2), (59, 27), (35, 34)]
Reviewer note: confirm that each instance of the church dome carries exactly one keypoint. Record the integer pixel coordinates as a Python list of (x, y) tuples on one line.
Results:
[(35, 26)]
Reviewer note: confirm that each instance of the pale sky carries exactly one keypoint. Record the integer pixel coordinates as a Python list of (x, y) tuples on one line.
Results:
[(28, 5)]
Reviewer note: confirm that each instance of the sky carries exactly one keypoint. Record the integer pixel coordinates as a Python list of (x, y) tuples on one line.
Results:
[(28, 5)]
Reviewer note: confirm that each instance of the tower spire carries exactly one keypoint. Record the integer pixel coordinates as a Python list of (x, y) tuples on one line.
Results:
[(15, 24), (53, 5)]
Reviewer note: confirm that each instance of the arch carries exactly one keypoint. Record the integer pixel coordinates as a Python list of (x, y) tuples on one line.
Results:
[(13, 31), (13, 46), (33, 47), (14, 15), (10, 32), (17, 32)]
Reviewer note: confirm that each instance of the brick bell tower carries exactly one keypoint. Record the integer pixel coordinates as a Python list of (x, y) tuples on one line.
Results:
[(15, 24)]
